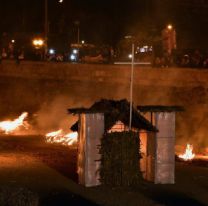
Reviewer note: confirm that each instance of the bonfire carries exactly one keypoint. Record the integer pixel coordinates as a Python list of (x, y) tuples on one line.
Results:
[(10, 126), (188, 155)]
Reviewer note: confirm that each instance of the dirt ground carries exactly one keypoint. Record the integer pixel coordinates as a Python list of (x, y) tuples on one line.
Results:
[(48, 172)]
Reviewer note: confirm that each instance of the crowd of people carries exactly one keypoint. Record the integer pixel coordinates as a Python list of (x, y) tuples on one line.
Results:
[(194, 59), (12, 53), (186, 59)]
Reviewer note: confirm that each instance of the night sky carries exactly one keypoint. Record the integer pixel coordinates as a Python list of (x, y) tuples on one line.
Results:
[(103, 21), (99, 20)]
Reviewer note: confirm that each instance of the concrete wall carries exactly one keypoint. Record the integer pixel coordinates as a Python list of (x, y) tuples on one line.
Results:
[(30, 85)]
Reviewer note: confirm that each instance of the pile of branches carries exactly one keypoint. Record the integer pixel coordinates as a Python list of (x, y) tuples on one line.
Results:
[(120, 155)]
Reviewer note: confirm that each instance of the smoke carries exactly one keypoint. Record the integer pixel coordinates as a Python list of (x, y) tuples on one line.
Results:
[(53, 115), (192, 127), (171, 86)]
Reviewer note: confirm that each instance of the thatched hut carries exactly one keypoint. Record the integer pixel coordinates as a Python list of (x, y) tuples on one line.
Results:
[(104, 116)]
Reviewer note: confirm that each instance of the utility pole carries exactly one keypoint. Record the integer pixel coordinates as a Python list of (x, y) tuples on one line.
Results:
[(46, 28), (77, 23), (78, 35)]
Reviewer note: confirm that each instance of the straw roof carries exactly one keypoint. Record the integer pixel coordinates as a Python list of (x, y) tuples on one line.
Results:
[(115, 111)]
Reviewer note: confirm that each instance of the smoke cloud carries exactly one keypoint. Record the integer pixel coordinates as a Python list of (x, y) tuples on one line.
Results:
[(53, 115)]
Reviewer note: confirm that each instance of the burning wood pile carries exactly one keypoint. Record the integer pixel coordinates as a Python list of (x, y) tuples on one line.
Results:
[(190, 156), (60, 137), (11, 126), (20, 124)]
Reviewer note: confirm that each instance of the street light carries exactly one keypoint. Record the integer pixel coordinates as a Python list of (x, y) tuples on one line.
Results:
[(169, 38), (46, 26), (169, 27), (38, 43), (77, 23)]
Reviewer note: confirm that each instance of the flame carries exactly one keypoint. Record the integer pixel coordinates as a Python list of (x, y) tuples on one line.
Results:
[(188, 155), (60, 137), (10, 126)]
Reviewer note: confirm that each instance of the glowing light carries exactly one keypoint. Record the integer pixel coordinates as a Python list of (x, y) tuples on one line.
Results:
[(9, 126), (73, 57), (128, 37), (169, 26), (75, 51), (38, 43), (188, 155), (51, 51), (142, 50)]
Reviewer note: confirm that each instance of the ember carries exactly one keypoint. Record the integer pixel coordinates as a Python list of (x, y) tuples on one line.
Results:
[(10, 126), (188, 155), (60, 137)]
